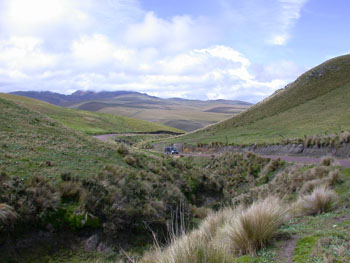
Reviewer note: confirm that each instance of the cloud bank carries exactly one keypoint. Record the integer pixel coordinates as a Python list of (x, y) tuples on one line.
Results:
[(66, 45)]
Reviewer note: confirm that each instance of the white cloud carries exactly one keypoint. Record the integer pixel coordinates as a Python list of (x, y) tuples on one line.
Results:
[(65, 45), (178, 34), (289, 13), (97, 49), (269, 21), (25, 53)]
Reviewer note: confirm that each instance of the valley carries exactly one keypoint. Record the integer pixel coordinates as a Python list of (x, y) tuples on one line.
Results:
[(187, 115), (98, 180)]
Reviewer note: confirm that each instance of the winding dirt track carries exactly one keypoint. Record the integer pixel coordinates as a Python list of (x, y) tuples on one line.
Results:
[(308, 160), (292, 159)]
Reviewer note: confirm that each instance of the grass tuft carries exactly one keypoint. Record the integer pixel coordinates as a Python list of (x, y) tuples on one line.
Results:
[(7, 214), (253, 228), (321, 200)]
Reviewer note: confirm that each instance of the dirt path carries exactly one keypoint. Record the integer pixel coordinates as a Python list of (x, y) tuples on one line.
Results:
[(292, 159), (104, 137), (308, 160), (287, 250)]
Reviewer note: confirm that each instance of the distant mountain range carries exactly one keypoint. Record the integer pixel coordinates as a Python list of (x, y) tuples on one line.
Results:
[(179, 113), (64, 100)]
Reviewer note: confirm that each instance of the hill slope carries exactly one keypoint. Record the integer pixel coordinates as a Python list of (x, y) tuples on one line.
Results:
[(316, 103), (90, 122), (183, 114)]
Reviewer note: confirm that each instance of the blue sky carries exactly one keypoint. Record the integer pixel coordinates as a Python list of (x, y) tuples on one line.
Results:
[(223, 49)]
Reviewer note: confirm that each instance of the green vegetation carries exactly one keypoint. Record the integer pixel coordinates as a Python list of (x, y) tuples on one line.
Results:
[(234, 231), (55, 178), (315, 104), (229, 208), (304, 248), (90, 122)]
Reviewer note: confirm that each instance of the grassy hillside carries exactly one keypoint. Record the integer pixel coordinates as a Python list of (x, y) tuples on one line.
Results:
[(57, 180), (180, 113), (33, 144), (183, 114), (316, 103), (89, 122), (306, 220), (53, 177)]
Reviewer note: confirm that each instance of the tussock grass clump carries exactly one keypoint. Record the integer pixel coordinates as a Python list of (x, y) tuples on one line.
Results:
[(197, 246), (72, 191), (252, 228), (224, 235), (190, 249), (327, 161), (7, 214), (123, 149), (321, 200)]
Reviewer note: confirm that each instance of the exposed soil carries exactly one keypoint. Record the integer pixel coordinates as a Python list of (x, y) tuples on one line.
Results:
[(292, 159), (287, 250), (308, 160)]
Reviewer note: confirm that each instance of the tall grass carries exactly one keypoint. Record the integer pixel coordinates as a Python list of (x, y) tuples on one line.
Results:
[(321, 200), (7, 214), (253, 228), (224, 235)]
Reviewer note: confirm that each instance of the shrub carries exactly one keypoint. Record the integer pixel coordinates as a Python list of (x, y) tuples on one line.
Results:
[(194, 247), (123, 150), (309, 186), (327, 161), (42, 194), (335, 177), (321, 200), (252, 228), (130, 160), (7, 214), (72, 191)]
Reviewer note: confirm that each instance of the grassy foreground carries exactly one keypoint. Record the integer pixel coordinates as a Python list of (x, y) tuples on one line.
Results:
[(58, 180), (315, 104), (90, 122)]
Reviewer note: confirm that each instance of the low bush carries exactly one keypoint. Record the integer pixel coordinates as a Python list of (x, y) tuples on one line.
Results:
[(321, 200), (224, 235), (253, 228), (327, 161), (7, 215), (123, 149)]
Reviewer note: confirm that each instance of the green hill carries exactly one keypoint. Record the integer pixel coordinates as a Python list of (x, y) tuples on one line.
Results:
[(56, 181), (316, 103), (90, 122), (179, 113), (54, 177)]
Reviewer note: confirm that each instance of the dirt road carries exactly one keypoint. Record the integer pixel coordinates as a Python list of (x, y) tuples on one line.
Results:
[(291, 159)]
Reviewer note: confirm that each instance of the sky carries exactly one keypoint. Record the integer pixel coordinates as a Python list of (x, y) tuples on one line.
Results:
[(195, 49)]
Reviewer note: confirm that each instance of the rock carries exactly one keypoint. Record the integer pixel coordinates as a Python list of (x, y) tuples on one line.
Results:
[(91, 243), (300, 148), (94, 243)]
